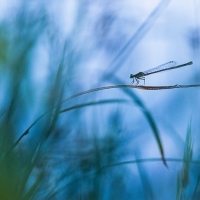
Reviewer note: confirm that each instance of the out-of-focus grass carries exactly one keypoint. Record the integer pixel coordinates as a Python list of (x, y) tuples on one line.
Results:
[(59, 155), (183, 176)]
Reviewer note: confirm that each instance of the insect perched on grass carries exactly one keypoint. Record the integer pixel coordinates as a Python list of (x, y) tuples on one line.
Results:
[(164, 67)]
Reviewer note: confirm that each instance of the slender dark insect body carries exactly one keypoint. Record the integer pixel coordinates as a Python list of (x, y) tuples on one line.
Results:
[(167, 66)]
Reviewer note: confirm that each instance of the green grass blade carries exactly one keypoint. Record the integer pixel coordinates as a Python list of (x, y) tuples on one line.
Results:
[(93, 103), (135, 98)]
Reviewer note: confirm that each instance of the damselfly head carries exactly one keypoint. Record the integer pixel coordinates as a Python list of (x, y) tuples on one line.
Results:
[(131, 76)]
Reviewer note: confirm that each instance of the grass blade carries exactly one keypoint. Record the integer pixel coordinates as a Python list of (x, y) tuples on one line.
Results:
[(136, 99), (95, 103)]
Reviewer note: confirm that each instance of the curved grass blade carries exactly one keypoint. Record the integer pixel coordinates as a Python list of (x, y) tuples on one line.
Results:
[(93, 103), (138, 101)]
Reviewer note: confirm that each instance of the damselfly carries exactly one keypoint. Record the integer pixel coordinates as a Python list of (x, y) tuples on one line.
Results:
[(164, 67)]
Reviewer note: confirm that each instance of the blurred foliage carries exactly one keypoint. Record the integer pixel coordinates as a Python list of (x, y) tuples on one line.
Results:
[(183, 176), (47, 152)]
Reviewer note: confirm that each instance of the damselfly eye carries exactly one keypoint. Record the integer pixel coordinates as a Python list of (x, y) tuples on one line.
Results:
[(131, 75)]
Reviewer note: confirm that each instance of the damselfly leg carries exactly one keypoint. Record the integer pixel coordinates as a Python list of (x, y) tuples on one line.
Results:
[(137, 78)]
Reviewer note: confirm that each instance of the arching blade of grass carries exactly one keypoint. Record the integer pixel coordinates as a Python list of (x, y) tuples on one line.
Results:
[(135, 99), (93, 103), (130, 86), (143, 160), (148, 116)]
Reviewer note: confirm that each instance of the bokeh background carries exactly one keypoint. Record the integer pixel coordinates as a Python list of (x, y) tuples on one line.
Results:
[(105, 144)]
